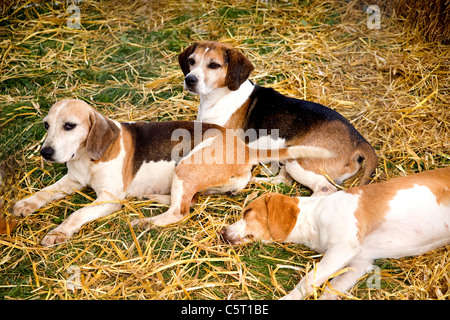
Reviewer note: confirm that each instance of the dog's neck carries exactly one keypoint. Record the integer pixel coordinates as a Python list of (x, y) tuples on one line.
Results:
[(218, 106), (306, 230), (80, 166)]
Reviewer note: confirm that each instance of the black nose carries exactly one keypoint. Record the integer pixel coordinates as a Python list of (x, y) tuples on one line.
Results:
[(47, 153), (190, 80)]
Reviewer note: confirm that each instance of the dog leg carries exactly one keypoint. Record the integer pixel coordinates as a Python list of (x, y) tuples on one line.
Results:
[(344, 282), (174, 213), (65, 186), (281, 177), (316, 182), (161, 198), (334, 260), (101, 207)]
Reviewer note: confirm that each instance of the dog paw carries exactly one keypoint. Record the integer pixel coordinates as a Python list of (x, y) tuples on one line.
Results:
[(287, 297), (293, 295), (54, 238), (329, 296), (141, 223), (24, 208)]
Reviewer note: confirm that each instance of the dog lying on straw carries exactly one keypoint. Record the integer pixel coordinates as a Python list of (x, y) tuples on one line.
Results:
[(142, 159), (401, 217)]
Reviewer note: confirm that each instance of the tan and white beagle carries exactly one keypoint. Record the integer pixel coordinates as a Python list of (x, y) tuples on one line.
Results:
[(219, 74), (141, 159), (401, 217)]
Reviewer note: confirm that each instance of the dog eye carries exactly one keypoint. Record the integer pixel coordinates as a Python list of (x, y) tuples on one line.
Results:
[(191, 61), (214, 65), (46, 125), (69, 126)]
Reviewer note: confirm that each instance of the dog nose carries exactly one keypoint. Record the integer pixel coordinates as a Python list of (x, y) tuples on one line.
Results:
[(190, 80), (47, 153), (223, 236)]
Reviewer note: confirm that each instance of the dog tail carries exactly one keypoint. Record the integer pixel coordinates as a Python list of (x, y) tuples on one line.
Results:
[(264, 155), (366, 152)]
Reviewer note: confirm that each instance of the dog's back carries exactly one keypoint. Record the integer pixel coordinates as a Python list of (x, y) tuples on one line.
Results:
[(301, 122)]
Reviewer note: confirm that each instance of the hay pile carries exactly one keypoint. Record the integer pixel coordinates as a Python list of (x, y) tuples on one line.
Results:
[(391, 84), (429, 19)]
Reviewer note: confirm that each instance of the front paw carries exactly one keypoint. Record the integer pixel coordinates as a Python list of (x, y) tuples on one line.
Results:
[(293, 295), (141, 223), (24, 208), (55, 237)]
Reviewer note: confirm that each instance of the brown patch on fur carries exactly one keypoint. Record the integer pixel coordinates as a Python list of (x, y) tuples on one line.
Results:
[(283, 212), (183, 58), (102, 135), (256, 218), (271, 217), (152, 141), (205, 169), (238, 118), (239, 68), (374, 199), (127, 166), (336, 137), (198, 172)]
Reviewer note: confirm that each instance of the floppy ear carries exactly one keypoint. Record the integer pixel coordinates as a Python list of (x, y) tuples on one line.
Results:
[(282, 215), (239, 68), (183, 58), (102, 134)]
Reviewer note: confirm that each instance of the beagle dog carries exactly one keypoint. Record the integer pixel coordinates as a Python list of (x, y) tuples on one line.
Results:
[(401, 217), (141, 159), (219, 74)]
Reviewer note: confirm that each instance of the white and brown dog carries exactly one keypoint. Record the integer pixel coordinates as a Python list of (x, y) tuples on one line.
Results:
[(141, 159), (401, 217), (219, 74)]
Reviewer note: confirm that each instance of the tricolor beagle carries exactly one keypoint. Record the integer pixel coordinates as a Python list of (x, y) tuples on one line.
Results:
[(401, 217), (219, 74), (140, 159)]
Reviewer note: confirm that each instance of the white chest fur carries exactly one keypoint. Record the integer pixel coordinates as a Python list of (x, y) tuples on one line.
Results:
[(218, 106)]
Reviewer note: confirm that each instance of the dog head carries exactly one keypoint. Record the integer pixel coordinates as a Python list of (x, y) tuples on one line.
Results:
[(73, 125), (270, 217), (211, 65)]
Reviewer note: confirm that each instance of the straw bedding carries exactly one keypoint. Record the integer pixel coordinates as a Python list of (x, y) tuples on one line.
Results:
[(391, 83)]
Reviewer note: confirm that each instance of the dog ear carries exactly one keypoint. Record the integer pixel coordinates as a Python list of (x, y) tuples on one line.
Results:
[(102, 134), (239, 68), (282, 215), (183, 58)]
